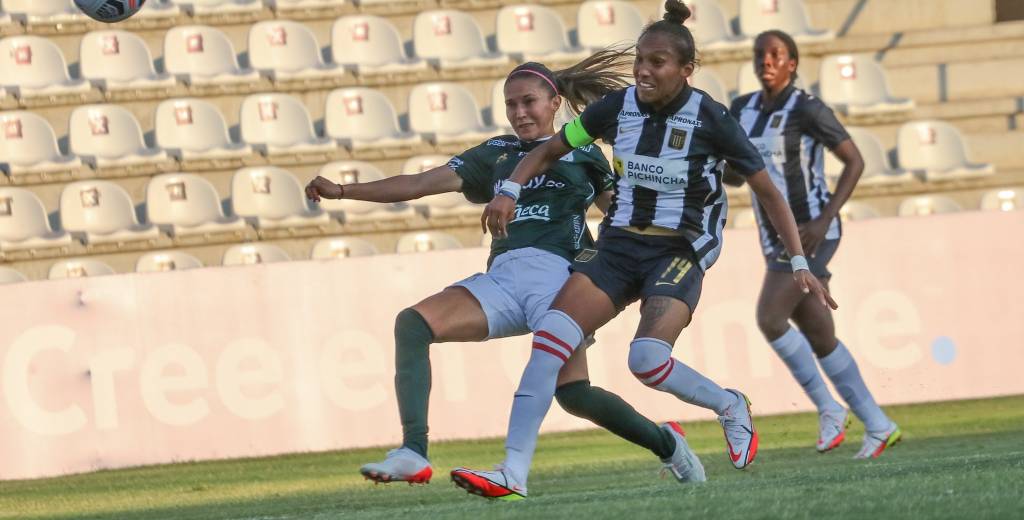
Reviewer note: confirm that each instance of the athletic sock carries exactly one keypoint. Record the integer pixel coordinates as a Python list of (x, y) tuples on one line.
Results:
[(610, 412), (652, 363), (842, 370), (412, 377), (795, 351)]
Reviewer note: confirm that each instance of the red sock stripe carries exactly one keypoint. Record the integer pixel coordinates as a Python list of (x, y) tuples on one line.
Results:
[(645, 375), (667, 372), (550, 337), (549, 350)]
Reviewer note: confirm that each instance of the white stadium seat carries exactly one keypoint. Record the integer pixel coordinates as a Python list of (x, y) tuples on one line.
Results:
[(937, 149), (186, 204), (359, 211), (280, 124), (102, 212), (1008, 199), (441, 205), (498, 116), (272, 198), (24, 224), (877, 168), (288, 51), (221, 7), (445, 113), (193, 129), (162, 261), (602, 24), (705, 79), (32, 66), (790, 16), (858, 86), (924, 205), (204, 56), (254, 253), (452, 39), (79, 268), (371, 45), (120, 61), (28, 146), (36, 12), (109, 136), (155, 11), (854, 210), (421, 242), (306, 4), (711, 28), (341, 247), (361, 118), (8, 275), (534, 33)]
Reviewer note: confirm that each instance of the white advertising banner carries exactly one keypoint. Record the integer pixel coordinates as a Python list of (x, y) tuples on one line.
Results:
[(138, 369)]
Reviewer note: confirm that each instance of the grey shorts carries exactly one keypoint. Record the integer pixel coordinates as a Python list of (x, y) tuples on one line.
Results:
[(778, 260)]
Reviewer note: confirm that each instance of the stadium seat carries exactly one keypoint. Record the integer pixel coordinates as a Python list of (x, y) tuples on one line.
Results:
[(534, 33), (8, 275), (857, 85), (747, 81), (451, 40), (1008, 199), (423, 241), (101, 212), (705, 79), (790, 16), (341, 247), (288, 51), (498, 117), (602, 24), (923, 205), (221, 7), (371, 45), (24, 224), (159, 261), (79, 268), (279, 5), (711, 28), (938, 150), (34, 67), (855, 210), (279, 124), (186, 204), (109, 137), (254, 253), (744, 218), (28, 147), (194, 130), (120, 61), (38, 12), (155, 11), (203, 56), (877, 170), (358, 211), (272, 198), (452, 204), (363, 119), (446, 113)]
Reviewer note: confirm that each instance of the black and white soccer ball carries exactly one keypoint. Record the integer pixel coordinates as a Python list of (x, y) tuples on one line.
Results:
[(109, 11)]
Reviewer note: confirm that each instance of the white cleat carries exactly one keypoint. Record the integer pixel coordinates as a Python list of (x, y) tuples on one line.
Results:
[(832, 427), (400, 465), (498, 484), (683, 464), (877, 442), (740, 435)]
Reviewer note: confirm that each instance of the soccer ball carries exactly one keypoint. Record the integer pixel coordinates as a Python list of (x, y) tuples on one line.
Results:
[(109, 11)]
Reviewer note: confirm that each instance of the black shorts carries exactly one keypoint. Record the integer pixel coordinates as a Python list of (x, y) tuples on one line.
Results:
[(629, 266), (778, 259)]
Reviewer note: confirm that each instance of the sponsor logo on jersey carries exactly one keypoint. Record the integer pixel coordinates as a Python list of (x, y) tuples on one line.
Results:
[(498, 142), (533, 212), (776, 121), (677, 139), (631, 113), (683, 120)]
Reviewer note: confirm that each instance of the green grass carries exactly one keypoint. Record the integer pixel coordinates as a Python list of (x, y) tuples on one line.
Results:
[(959, 460)]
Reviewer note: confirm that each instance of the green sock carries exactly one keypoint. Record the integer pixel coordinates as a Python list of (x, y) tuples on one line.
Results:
[(412, 377), (610, 412)]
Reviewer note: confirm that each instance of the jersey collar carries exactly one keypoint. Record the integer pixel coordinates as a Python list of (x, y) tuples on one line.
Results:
[(674, 106), (530, 145), (779, 101)]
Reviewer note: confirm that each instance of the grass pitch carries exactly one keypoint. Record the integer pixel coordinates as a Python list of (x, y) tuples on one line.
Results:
[(959, 460)]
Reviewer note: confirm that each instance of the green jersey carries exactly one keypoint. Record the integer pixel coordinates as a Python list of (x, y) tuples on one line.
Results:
[(551, 211)]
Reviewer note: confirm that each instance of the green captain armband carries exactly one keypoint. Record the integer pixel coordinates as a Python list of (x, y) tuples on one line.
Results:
[(575, 135)]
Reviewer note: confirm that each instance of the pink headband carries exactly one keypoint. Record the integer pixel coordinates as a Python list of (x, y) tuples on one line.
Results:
[(541, 76)]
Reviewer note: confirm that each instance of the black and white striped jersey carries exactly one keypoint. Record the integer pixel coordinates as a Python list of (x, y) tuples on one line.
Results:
[(791, 136), (668, 163)]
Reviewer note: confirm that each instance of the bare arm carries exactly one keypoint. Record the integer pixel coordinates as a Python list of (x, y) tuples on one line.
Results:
[(604, 201), (392, 189)]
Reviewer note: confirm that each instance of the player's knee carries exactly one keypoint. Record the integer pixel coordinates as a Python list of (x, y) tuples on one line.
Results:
[(647, 355), (411, 322), (572, 397), (771, 326)]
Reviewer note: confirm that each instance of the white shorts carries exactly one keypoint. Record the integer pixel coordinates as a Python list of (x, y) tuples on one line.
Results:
[(517, 290)]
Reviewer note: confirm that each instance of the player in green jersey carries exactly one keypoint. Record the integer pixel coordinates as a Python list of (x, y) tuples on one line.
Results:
[(525, 269)]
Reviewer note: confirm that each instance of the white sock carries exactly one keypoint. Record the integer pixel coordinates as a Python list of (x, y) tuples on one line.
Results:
[(652, 363), (842, 370), (795, 351), (555, 340)]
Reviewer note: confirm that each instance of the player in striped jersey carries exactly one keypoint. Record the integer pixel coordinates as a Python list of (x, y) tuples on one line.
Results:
[(524, 271), (662, 231), (791, 128)]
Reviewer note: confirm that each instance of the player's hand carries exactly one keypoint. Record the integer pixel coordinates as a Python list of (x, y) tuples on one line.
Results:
[(812, 233), (810, 284), (497, 215), (323, 188)]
